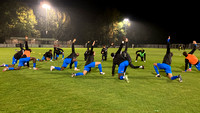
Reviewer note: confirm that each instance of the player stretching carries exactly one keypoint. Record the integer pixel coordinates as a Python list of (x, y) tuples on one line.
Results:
[(90, 64), (122, 63), (166, 64), (69, 60), (191, 59), (57, 52), (127, 57), (141, 54), (24, 59), (46, 56), (15, 58)]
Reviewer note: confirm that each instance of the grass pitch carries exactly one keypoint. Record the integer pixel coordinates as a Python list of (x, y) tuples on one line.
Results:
[(29, 90)]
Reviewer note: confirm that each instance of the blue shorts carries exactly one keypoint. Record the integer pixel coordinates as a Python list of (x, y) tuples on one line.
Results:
[(43, 58), (198, 66), (57, 56), (122, 66), (87, 67), (23, 60), (164, 66), (66, 62), (14, 61)]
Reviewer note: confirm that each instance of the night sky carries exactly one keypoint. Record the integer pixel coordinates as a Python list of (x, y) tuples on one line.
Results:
[(180, 20)]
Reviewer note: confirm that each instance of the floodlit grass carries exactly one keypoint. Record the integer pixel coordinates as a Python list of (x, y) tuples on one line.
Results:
[(41, 90)]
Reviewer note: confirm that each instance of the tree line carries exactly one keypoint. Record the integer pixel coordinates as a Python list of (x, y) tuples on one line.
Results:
[(19, 19)]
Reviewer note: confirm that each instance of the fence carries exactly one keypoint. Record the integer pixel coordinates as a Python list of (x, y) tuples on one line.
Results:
[(180, 46), (39, 45)]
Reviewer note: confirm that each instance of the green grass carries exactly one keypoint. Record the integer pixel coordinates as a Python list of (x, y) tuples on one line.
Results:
[(41, 90)]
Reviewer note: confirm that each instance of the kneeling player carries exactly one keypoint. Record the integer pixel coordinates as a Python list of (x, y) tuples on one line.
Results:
[(191, 59), (128, 57), (122, 63), (57, 52), (166, 64), (17, 55), (22, 61), (90, 64), (69, 60), (46, 56)]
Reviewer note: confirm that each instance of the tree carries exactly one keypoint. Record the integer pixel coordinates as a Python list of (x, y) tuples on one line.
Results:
[(53, 22), (108, 28), (17, 20)]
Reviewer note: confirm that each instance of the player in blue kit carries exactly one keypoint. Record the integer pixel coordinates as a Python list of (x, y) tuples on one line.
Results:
[(25, 58), (90, 64), (17, 55), (57, 52), (166, 64), (69, 60), (122, 62)]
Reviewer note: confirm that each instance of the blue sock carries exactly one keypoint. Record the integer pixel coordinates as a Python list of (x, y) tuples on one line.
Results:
[(11, 68), (62, 56), (156, 69), (34, 65), (6, 65), (79, 74), (75, 64), (121, 78), (174, 77), (58, 68), (38, 59), (100, 67), (190, 66)]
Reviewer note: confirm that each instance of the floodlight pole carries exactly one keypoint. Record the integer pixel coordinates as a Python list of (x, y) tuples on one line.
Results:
[(46, 20), (125, 21), (46, 6)]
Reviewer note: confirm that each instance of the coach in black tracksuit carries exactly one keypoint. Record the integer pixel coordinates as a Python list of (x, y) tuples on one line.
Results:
[(104, 52)]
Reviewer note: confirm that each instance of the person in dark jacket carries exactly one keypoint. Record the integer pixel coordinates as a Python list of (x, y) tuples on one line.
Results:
[(104, 52), (166, 64)]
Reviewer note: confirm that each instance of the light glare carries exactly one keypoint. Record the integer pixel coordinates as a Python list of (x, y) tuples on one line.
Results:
[(46, 6)]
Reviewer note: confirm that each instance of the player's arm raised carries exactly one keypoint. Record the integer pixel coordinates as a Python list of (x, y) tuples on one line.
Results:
[(194, 48)]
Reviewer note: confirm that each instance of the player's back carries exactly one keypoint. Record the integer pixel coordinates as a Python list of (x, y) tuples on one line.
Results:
[(118, 59), (167, 59)]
